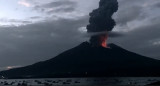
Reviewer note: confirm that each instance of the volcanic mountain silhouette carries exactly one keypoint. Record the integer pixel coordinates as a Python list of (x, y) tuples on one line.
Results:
[(87, 61)]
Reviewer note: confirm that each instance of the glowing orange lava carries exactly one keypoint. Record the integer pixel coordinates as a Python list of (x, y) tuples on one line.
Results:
[(99, 40), (103, 40)]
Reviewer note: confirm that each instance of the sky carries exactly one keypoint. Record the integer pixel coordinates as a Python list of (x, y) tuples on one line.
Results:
[(38, 30)]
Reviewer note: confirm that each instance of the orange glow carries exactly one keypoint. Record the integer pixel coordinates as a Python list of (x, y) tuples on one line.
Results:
[(103, 40), (104, 44), (99, 40)]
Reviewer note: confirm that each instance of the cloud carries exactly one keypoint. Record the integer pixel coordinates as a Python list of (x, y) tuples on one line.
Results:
[(17, 22), (57, 9), (68, 9), (156, 43), (57, 6), (157, 5), (59, 3), (24, 3), (35, 17), (128, 14), (134, 14), (61, 10), (27, 44), (143, 40)]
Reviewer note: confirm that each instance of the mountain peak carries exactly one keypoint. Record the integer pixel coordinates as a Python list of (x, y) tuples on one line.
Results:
[(96, 61)]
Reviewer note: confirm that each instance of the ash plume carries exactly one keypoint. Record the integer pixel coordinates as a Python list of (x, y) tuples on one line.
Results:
[(101, 18)]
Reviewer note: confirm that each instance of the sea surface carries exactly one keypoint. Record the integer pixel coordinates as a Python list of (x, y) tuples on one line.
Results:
[(81, 81)]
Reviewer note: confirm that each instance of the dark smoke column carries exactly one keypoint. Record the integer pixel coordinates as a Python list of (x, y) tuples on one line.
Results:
[(101, 18), (101, 21)]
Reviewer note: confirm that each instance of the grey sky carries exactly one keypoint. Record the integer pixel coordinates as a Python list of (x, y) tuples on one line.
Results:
[(37, 30)]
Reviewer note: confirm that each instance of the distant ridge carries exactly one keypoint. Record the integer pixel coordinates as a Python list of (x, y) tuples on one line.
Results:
[(87, 61)]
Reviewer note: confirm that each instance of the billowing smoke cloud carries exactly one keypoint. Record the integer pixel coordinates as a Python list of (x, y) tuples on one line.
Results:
[(101, 18)]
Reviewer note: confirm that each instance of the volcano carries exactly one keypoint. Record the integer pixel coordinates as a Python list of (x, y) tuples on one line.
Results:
[(87, 61)]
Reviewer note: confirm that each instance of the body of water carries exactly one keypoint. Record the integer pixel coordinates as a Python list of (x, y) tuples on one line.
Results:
[(81, 81)]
